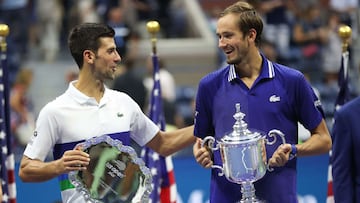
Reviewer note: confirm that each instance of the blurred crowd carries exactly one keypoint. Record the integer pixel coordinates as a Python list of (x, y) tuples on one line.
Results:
[(39, 30), (304, 35), (43, 25), (300, 34)]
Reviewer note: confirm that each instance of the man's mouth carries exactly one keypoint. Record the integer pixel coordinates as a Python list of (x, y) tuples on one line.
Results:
[(227, 52)]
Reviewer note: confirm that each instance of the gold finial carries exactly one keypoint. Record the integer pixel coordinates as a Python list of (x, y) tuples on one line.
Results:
[(153, 27), (4, 30), (345, 35)]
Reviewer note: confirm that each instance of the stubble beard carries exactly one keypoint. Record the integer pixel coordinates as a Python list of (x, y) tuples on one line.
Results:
[(234, 61)]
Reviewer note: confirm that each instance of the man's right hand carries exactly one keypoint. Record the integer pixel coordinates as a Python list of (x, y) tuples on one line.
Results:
[(203, 155), (35, 170), (74, 160)]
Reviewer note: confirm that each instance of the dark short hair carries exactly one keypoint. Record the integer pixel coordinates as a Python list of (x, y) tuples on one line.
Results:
[(86, 37), (248, 18)]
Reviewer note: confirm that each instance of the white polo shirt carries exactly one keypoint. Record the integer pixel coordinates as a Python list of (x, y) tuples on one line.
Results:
[(74, 117)]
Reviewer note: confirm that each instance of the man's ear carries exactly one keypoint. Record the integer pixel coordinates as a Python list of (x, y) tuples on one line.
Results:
[(252, 34), (88, 56)]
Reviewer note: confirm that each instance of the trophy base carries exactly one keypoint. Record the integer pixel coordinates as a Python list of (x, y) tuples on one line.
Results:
[(251, 201), (248, 194)]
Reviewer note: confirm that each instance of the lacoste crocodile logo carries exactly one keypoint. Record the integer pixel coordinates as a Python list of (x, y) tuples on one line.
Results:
[(274, 98)]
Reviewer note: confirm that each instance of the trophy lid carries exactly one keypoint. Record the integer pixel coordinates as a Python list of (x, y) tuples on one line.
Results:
[(240, 131)]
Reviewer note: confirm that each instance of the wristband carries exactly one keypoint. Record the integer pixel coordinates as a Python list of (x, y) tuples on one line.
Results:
[(293, 152)]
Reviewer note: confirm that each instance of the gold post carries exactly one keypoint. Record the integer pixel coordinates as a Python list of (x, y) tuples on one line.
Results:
[(345, 35), (153, 28), (4, 32)]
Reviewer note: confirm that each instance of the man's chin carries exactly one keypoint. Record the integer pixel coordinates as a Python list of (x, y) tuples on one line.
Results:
[(111, 77), (230, 62), (108, 79)]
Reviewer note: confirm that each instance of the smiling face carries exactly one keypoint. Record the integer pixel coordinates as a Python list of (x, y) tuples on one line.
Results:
[(106, 59), (232, 41)]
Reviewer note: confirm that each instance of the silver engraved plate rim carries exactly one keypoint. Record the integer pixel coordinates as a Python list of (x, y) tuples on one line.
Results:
[(73, 177)]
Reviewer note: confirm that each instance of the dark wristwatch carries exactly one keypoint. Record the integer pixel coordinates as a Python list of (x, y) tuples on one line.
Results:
[(293, 152)]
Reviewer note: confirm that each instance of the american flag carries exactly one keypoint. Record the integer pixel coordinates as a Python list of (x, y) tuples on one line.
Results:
[(164, 186), (7, 157), (343, 97)]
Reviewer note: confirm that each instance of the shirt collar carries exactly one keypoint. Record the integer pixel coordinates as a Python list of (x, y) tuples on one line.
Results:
[(267, 70), (81, 98)]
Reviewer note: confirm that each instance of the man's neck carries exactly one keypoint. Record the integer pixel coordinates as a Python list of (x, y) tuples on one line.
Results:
[(91, 88)]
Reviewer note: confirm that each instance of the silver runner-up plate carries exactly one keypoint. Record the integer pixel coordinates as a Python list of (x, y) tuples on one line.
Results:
[(115, 173)]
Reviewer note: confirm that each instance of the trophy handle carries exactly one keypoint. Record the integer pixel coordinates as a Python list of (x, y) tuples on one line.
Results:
[(273, 133), (221, 173), (209, 141)]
